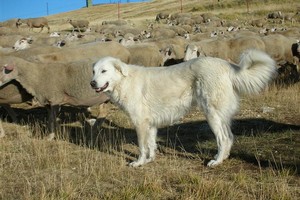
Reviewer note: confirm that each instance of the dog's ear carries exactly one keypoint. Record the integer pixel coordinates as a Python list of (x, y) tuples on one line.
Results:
[(121, 67)]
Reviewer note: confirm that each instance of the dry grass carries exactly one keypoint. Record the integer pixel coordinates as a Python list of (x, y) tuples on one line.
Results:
[(90, 163)]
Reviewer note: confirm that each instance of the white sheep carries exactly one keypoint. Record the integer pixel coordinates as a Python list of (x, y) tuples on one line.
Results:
[(53, 84), (23, 43), (79, 24)]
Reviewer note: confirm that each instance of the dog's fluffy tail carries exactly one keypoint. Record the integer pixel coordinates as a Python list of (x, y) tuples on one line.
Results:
[(256, 70)]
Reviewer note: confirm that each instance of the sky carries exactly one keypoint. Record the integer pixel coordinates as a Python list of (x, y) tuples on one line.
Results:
[(36, 8)]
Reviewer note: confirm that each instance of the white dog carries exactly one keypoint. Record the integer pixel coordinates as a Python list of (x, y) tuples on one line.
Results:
[(158, 96)]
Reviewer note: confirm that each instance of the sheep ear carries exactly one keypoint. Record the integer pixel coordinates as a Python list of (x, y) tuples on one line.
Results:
[(121, 68), (8, 68)]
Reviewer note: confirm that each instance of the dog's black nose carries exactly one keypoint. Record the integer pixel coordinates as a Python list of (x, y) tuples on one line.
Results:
[(93, 84)]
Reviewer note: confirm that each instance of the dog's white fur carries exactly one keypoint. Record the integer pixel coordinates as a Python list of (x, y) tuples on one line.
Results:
[(158, 96)]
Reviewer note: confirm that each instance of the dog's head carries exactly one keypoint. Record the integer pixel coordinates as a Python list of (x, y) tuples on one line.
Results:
[(107, 72)]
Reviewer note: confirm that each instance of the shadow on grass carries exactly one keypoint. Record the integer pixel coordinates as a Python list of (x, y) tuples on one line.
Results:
[(186, 137)]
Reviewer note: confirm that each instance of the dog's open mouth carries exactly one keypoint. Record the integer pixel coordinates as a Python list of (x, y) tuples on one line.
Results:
[(102, 88)]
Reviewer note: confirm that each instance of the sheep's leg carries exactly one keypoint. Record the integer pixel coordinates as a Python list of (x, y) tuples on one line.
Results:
[(52, 123), (2, 133), (42, 27), (11, 113)]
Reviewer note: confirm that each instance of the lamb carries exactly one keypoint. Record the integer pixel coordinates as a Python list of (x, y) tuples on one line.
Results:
[(78, 24), (38, 22), (54, 84)]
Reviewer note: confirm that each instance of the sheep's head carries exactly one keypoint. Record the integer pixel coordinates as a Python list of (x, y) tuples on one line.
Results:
[(18, 23), (23, 43)]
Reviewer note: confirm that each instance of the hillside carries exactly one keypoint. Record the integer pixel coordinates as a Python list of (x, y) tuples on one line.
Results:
[(138, 12)]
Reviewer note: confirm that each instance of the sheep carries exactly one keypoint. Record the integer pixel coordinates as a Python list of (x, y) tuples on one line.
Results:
[(23, 43), (195, 37), (258, 22), (179, 15), (145, 54), (78, 24), (84, 51), (38, 22), (34, 50), (55, 34), (161, 16), (178, 30), (207, 47), (237, 45), (128, 42), (275, 15), (162, 33), (54, 84), (228, 49), (279, 47), (172, 54), (184, 21)]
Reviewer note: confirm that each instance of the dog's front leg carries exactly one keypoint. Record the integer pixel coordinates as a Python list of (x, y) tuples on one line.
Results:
[(141, 131)]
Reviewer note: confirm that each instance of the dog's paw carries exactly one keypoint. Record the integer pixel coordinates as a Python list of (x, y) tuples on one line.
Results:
[(213, 163), (135, 164), (50, 137)]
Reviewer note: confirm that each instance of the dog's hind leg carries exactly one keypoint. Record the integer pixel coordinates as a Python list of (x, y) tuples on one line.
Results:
[(224, 137)]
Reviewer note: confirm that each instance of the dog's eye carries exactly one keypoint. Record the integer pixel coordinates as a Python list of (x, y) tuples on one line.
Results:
[(103, 71)]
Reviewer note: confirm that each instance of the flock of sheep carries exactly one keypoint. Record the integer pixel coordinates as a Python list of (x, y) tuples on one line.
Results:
[(54, 69)]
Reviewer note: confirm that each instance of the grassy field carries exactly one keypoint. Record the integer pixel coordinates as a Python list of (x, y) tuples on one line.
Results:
[(87, 162)]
